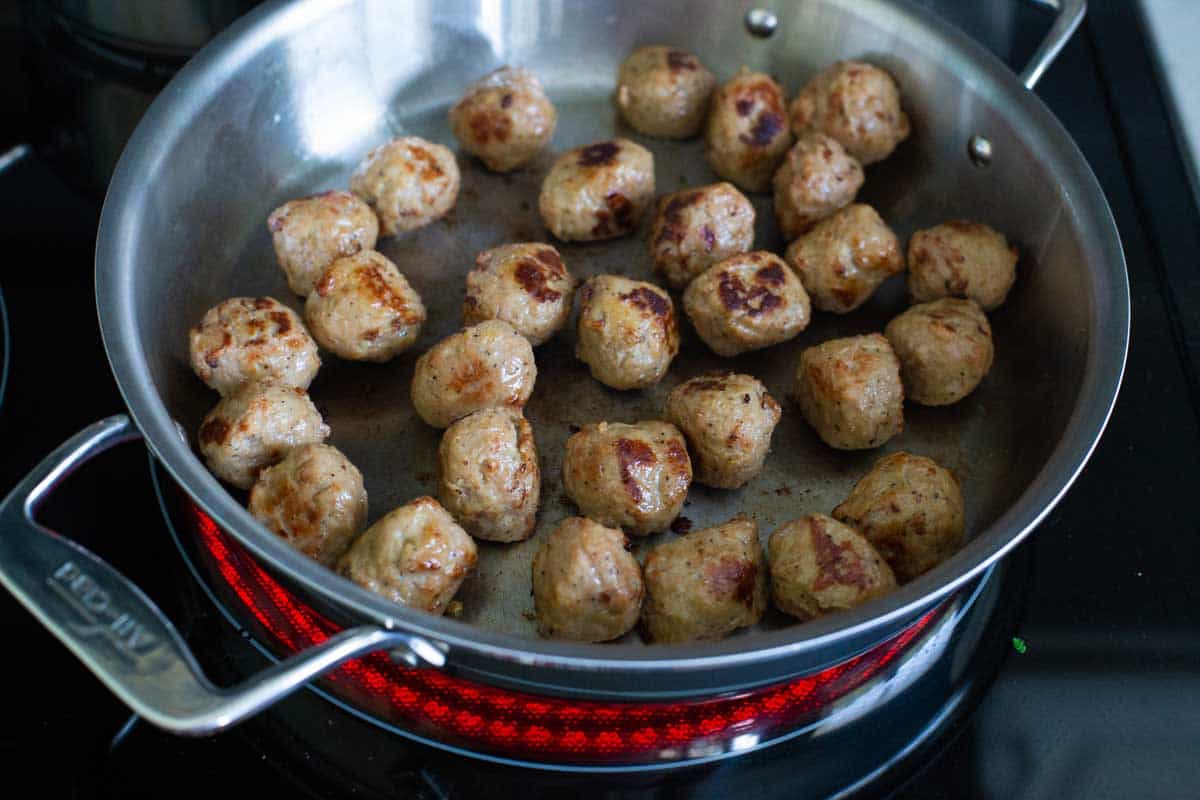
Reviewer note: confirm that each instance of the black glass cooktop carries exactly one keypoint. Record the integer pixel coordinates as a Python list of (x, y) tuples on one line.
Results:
[(1099, 695)]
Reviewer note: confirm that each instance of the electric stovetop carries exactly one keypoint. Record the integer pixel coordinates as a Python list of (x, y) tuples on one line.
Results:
[(1100, 693)]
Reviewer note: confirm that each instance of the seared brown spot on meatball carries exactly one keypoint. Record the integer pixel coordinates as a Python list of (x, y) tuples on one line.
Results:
[(325, 285), (533, 280), (375, 284), (276, 223), (673, 227), (599, 154), (772, 275), (677, 455), (744, 107), (731, 576), (705, 385), (432, 170), (263, 303), (632, 453), (735, 295), (963, 226), (469, 375), (214, 431), (283, 322), (766, 125), (485, 126), (837, 564), (648, 300), (677, 60), (506, 101), (710, 239), (553, 262)]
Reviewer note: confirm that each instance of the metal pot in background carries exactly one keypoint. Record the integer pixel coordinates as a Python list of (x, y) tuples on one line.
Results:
[(95, 66)]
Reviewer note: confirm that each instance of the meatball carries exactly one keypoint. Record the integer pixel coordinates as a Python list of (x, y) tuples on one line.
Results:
[(664, 92), (747, 302), (254, 427), (598, 191), (858, 104), (728, 420), (525, 285), (961, 259), (944, 347), (819, 565), (314, 499), (816, 179), (504, 118), (911, 509), (695, 228), (311, 233), (586, 586), (249, 339), (747, 133), (627, 332), (631, 476), (363, 309), (416, 556), (488, 475), (409, 182), (849, 390), (705, 585), (483, 366), (844, 258)]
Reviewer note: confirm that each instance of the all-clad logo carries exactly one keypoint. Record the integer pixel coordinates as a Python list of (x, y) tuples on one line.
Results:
[(101, 616)]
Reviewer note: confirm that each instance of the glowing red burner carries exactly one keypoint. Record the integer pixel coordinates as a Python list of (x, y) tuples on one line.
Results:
[(532, 727)]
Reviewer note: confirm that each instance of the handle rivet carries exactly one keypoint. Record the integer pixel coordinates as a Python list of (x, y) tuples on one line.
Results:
[(979, 148), (761, 23)]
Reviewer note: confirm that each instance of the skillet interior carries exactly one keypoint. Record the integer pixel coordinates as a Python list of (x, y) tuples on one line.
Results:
[(287, 102)]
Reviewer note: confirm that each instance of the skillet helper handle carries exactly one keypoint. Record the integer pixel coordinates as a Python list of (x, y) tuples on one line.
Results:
[(118, 632), (1066, 21)]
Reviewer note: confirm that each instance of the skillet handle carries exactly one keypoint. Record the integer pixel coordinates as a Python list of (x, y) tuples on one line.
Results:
[(118, 632), (1070, 14)]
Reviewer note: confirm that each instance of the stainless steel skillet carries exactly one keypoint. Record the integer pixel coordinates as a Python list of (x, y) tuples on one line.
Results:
[(285, 103)]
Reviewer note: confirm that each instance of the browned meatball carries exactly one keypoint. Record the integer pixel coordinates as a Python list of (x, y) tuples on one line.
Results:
[(409, 182), (664, 92), (586, 586), (483, 366), (504, 118), (525, 285), (254, 427), (817, 178), (416, 556), (849, 390), (819, 565), (311, 233), (363, 309), (728, 420), (911, 509), (858, 104), (627, 331), (488, 475), (314, 499), (249, 339), (944, 347), (747, 302), (747, 133), (631, 476), (961, 259), (705, 585), (598, 191), (844, 258), (695, 228)]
